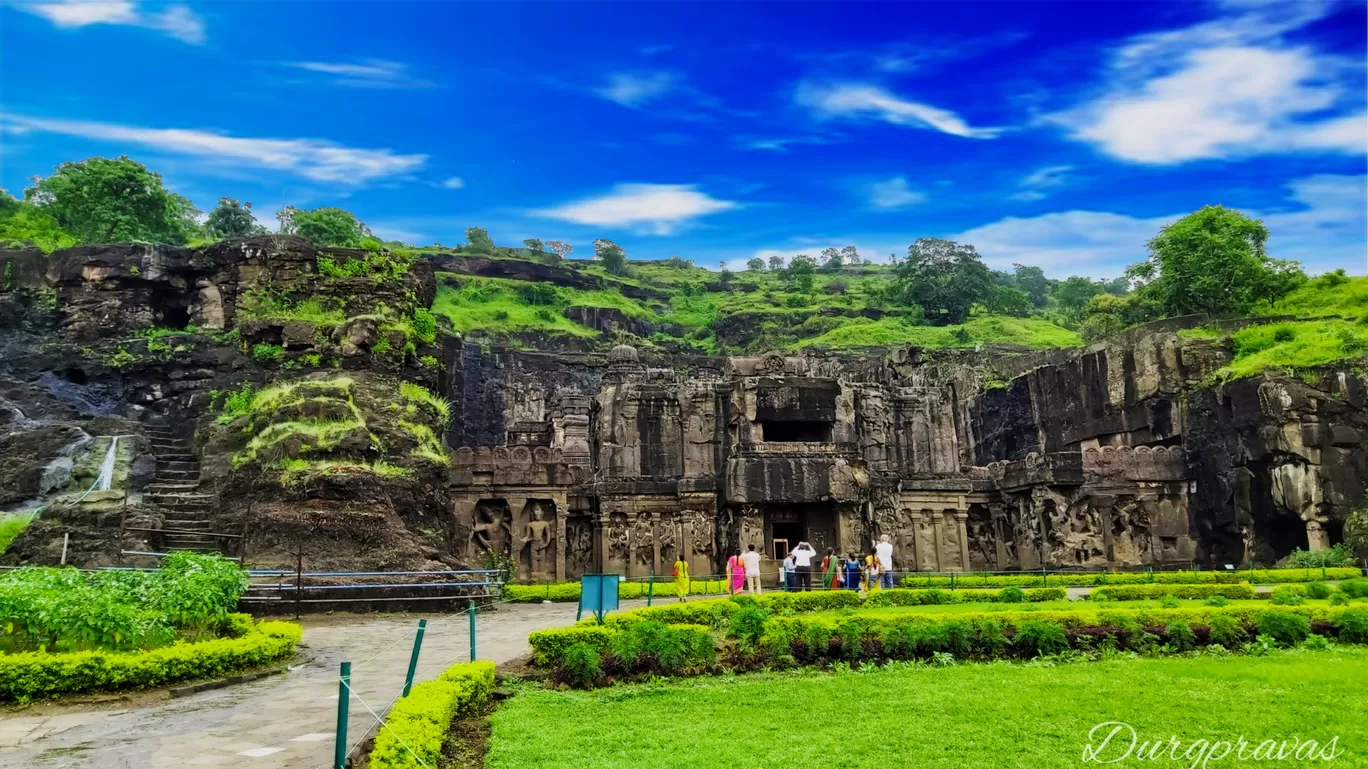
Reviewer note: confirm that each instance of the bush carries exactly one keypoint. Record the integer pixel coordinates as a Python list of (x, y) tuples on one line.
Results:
[(1012, 595), (1181, 636), (38, 675), (1169, 602), (1354, 588), (1353, 625), (748, 624), (1041, 638), (1317, 590), (267, 352), (1339, 599), (1141, 592), (1286, 595), (1284, 627), (1318, 643), (1227, 631), (421, 721), (1340, 555), (1217, 600), (580, 666), (550, 646)]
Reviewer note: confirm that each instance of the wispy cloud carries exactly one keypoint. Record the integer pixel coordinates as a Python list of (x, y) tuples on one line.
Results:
[(453, 183), (778, 143), (316, 159), (1231, 87), (1324, 225), (1039, 184), (174, 20), (893, 194), (370, 73), (862, 101), (635, 90), (654, 209), (916, 55)]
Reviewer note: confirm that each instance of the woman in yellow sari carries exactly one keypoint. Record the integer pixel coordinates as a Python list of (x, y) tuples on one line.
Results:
[(681, 578)]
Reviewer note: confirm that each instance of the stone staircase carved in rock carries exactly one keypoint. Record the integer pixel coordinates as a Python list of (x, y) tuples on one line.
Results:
[(189, 522)]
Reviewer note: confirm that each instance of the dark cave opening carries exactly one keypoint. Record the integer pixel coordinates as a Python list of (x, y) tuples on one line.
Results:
[(75, 376), (1281, 534)]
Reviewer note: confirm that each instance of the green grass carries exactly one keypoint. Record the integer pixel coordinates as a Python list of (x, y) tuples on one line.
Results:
[(1327, 295), (12, 527), (1294, 347), (987, 329), (420, 394), (979, 608), (969, 715), (493, 305), (264, 305)]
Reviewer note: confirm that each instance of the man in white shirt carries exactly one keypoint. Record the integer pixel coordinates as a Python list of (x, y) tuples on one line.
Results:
[(752, 561), (884, 551), (802, 557)]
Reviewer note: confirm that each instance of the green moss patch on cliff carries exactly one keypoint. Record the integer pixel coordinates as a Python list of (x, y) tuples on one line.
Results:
[(984, 329)]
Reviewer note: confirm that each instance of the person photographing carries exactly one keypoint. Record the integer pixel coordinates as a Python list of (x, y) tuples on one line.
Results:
[(802, 559)]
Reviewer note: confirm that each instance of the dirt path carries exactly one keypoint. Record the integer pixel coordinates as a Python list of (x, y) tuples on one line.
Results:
[(279, 721)]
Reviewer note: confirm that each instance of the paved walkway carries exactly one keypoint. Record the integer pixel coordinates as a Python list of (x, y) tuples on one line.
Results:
[(279, 721)]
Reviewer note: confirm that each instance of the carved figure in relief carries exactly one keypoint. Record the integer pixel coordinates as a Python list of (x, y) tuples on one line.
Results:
[(700, 538), (580, 542), (617, 538), (642, 541), (537, 533), (491, 530), (669, 539)]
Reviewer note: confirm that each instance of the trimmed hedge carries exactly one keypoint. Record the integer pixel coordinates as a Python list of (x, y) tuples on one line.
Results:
[(422, 720), (1141, 592), (37, 675), (1064, 579), (565, 592)]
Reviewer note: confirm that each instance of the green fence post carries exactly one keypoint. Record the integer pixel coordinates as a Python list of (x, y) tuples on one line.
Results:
[(343, 700), (1044, 577), (1149, 574), (952, 580), (413, 659), (471, 612), (650, 588)]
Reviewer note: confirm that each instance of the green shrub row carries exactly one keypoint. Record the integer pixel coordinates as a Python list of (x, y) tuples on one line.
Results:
[(564, 592), (1142, 592), (418, 724), (1255, 576), (38, 675)]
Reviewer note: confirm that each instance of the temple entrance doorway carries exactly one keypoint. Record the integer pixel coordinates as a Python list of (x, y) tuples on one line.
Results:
[(787, 524)]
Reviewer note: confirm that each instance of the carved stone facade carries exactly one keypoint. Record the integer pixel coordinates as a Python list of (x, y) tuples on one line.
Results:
[(1081, 460)]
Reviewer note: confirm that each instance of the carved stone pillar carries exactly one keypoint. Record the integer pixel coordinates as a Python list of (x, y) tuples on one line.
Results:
[(961, 518), (562, 541), (937, 537), (1316, 538), (915, 517), (631, 543), (1001, 533), (600, 542)]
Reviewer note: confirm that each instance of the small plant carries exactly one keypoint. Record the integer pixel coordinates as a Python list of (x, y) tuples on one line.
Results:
[(1041, 638), (1227, 631), (1217, 600), (748, 624), (1170, 602), (236, 403), (1283, 627), (428, 361), (1012, 595), (1354, 588), (1317, 590), (580, 666), (1317, 643), (267, 352), (1101, 598), (381, 347), (1339, 599), (943, 660), (425, 325), (1353, 626), (1181, 636), (1286, 595)]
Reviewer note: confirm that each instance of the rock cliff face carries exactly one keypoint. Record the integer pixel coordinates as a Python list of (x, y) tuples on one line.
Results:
[(283, 408)]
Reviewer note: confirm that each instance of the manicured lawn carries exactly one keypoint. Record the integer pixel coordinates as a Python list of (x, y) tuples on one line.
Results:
[(978, 608), (970, 715)]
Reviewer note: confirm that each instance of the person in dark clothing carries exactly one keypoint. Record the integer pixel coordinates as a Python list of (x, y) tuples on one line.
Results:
[(852, 572)]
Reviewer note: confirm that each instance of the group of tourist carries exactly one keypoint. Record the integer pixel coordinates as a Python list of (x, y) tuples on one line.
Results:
[(874, 572)]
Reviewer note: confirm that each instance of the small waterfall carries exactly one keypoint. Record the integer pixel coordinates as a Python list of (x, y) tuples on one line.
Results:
[(106, 478)]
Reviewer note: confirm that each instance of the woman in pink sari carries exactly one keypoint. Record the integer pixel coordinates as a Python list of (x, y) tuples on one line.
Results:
[(737, 568)]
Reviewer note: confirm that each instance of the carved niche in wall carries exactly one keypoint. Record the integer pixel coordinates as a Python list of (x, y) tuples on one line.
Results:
[(579, 547), (491, 530), (537, 543)]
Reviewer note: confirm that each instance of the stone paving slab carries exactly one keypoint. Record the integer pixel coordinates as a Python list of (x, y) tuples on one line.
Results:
[(264, 724)]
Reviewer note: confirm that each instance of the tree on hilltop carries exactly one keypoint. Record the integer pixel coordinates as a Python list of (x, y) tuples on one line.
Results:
[(328, 226), (560, 249), (231, 219), (611, 254), (113, 201), (776, 262), (533, 244), (479, 241), (755, 264), (944, 277)]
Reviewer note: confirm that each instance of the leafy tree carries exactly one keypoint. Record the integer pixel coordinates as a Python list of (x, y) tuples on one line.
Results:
[(1072, 297), (1096, 328), (756, 264), (1356, 529), (943, 277), (680, 263), (533, 244), (329, 226), (800, 273), (22, 223), (1005, 300), (232, 219), (101, 201), (725, 275), (776, 263), (831, 259), (479, 240), (285, 219), (1032, 280), (560, 248), (611, 254), (1214, 260), (850, 255)]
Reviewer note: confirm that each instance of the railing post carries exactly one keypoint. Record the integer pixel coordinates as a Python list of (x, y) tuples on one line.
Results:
[(471, 612), (343, 700), (413, 659), (1044, 577), (650, 587)]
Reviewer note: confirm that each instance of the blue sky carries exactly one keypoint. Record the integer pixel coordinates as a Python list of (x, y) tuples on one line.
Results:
[(1049, 133)]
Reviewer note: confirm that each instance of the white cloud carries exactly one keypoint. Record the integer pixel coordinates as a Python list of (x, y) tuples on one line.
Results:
[(316, 159), (1038, 184), (655, 209), (778, 143), (370, 73), (176, 21), (453, 183), (634, 90), (893, 194), (858, 101), (1232, 87), (1326, 228)]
